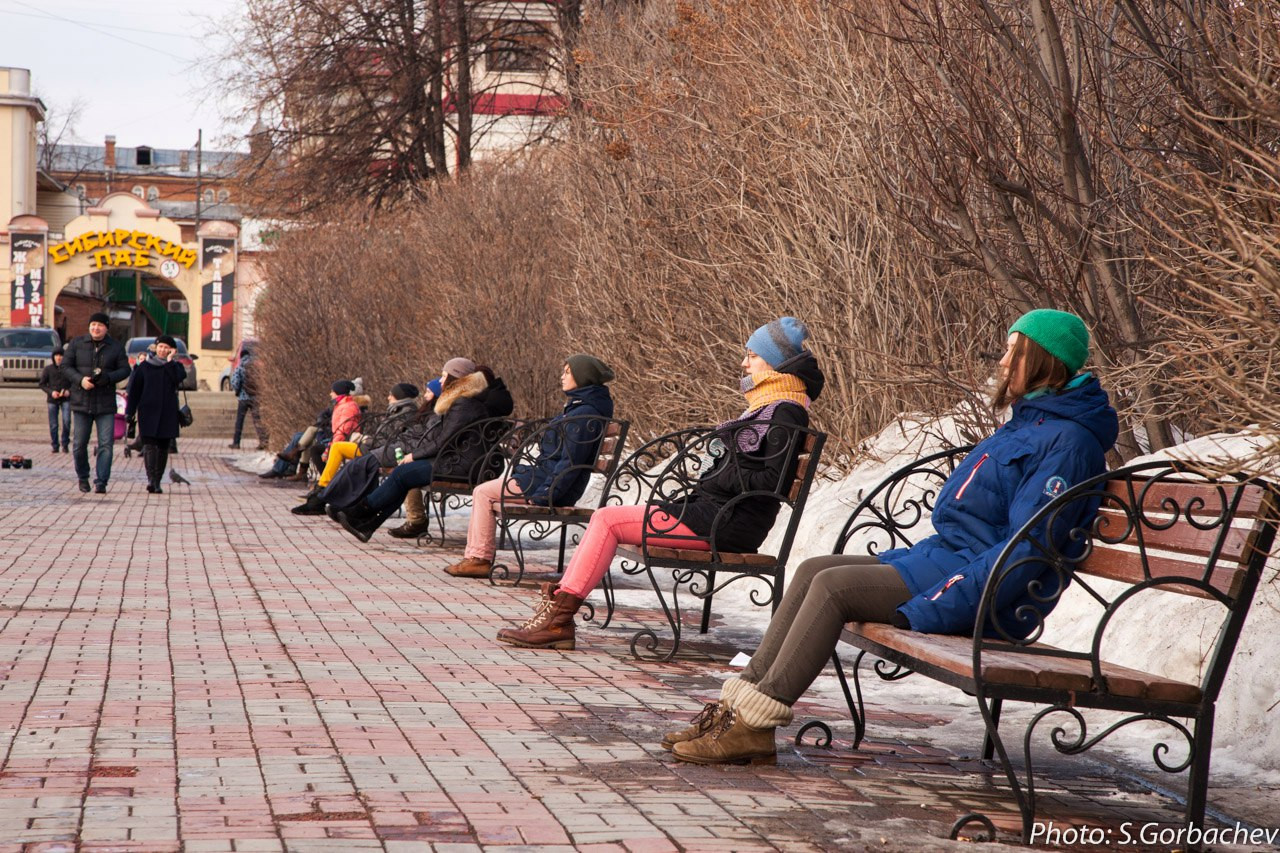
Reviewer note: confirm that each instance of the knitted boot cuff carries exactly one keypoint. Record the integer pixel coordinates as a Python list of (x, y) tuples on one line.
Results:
[(731, 690), (759, 711)]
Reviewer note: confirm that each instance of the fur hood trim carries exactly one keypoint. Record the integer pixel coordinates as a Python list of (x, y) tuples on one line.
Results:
[(470, 386), (364, 401)]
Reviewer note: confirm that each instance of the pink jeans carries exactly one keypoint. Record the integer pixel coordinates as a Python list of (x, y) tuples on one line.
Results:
[(612, 526), (483, 527)]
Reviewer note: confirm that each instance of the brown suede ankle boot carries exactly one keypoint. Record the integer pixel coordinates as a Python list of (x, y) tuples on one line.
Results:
[(551, 626), (701, 724), (730, 741)]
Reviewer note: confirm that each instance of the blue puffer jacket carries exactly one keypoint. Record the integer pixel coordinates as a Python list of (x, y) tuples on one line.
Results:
[(1051, 442), (566, 443)]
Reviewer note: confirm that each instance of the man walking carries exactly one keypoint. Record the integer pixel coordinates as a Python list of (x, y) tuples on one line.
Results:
[(57, 391), (94, 363), (244, 382)]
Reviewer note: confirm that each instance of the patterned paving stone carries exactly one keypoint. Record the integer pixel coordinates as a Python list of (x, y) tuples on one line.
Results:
[(203, 671)]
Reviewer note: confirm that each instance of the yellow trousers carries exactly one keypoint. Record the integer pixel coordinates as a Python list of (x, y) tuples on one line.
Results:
[(339, 452)]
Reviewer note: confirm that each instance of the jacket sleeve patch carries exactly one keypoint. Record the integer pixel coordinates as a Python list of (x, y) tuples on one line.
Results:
[(1055, 486)]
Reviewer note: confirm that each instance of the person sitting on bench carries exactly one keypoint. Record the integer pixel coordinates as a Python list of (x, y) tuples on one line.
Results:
[(782, 379), (1058, 435)]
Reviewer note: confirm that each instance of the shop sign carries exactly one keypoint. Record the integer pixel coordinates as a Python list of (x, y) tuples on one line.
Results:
[(122, 248), (26, 260), (217, 292)]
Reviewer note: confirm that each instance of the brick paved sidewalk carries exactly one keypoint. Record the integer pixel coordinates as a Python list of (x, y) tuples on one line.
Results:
[(204, 671)]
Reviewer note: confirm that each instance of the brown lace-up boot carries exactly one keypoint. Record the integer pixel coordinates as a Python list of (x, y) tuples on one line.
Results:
[(701, 724), (730, 741), (551, 626)]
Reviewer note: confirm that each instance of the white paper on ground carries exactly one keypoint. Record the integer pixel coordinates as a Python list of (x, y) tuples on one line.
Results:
[(740, 660)]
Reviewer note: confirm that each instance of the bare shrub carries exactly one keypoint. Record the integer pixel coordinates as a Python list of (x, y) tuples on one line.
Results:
[(727, 169), (391, 297)]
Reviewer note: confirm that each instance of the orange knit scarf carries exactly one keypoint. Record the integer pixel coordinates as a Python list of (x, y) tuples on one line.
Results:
[(772, 387)]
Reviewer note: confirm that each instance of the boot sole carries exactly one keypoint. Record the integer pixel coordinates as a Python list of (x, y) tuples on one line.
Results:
[(770, 758), (559, 645)]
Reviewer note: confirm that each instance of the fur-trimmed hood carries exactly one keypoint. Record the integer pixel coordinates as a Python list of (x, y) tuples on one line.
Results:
[(471, 385)]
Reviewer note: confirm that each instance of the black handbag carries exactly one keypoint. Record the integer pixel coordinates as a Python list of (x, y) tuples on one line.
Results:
[(185, 418)]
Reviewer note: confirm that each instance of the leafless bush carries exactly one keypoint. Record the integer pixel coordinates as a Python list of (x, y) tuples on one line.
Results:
[(390, 297), (727, 168)]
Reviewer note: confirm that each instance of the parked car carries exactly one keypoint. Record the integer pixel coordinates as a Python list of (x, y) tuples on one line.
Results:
[(24, 352), (135, 347), (224, 381)]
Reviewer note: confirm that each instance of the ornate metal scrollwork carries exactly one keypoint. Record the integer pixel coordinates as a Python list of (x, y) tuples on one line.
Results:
[(822, 741), (973, 817)]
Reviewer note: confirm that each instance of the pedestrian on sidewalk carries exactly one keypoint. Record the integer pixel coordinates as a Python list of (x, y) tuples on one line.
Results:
[(781, 380), (94, 363), (1058, 435), (245, 384), (57, 392), (569, 440), (152, 408)]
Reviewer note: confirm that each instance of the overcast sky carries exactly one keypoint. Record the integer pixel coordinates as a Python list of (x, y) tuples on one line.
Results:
[(130, 62)]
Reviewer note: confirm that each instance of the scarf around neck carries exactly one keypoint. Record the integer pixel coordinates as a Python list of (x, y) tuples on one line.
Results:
[(764, 391)]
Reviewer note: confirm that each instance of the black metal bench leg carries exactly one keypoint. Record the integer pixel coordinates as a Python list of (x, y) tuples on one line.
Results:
[(564, 533), (852, 698), (988, 747), (673, 619), (1198, 783), (706, 603)]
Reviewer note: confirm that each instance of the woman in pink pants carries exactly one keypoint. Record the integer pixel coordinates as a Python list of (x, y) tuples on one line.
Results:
[(782, 379)]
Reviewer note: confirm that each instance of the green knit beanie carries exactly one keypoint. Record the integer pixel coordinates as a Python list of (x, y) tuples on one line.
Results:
[(1063, 335)]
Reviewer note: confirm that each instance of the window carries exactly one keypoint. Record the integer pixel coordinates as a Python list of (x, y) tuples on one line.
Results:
[(224, 196), (153, 193), (522, 46), (208, 197), (139, 192), (144, 155)]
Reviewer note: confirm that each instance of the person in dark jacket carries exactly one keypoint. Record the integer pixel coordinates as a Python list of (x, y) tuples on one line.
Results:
[(1058, 435), (570, 439), (343, 483), (460, 458), (781, 380), (244, 382), (57, 392), (94, 363), (153, 407), (455, 409)]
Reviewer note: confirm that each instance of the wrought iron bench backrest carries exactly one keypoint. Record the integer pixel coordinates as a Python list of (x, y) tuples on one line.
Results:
[(485, 435), (887, 516), (1158, 526), (550, 436), (668, 469)]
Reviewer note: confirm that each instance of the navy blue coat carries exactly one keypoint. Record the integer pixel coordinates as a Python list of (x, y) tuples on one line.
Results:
[(566, 443), (1051, 443), (153, 397)]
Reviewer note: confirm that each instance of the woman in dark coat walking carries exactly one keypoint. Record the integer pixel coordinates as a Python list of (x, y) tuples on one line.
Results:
[(153, 405)]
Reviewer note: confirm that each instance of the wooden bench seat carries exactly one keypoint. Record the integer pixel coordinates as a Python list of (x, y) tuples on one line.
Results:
[(954, 655), (694, 555)]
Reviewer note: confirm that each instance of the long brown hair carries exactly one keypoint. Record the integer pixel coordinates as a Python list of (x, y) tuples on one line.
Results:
[(1040, 369)]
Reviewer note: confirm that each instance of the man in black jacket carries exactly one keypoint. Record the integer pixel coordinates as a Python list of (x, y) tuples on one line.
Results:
[(57, 391), (94, 363)]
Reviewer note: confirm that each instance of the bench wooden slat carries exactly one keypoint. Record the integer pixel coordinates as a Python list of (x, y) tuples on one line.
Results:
[(690, 555), (1127, 567), (955, 654), (521, 510), (1181, 537), (1183, 495)]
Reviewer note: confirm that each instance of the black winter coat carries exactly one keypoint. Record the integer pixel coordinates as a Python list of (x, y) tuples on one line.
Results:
[(53, 379), (497, 399), (744, 527), (400, 417), (81, 358), (570, 441), (455, 411), (153, 397)]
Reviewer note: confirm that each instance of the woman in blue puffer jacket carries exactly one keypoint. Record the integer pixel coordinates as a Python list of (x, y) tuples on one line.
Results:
[(1058, 435)]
